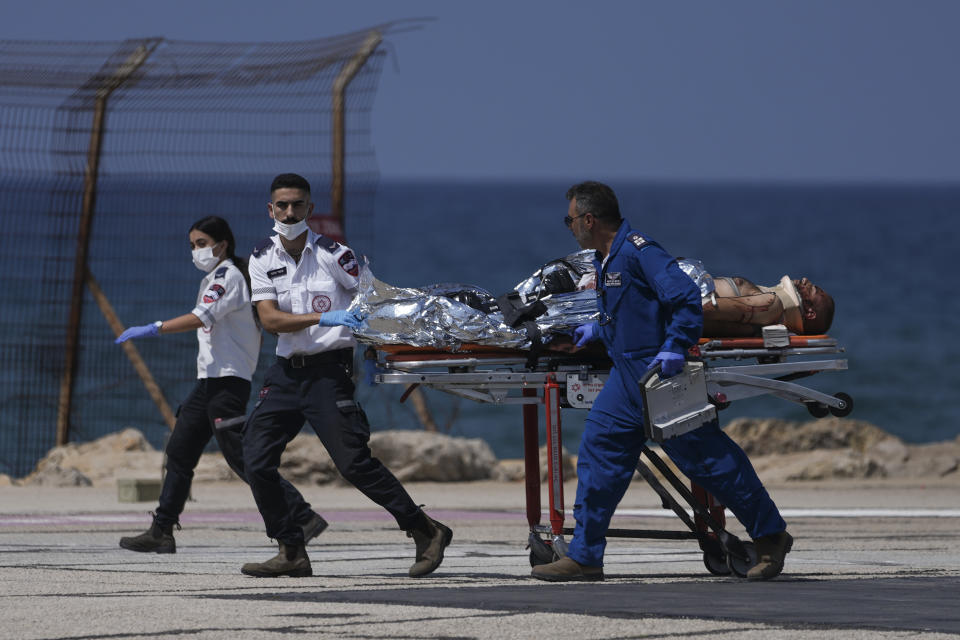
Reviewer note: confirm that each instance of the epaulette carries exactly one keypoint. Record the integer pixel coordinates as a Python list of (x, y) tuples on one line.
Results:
[(261, 247), (220, 273), (637, 240), (326, 243)]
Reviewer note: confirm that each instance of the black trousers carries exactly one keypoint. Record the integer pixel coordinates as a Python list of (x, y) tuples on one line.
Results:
[(320, 392), (215, 408)]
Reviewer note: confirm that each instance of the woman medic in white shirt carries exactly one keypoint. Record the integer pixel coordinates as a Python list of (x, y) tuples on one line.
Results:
[(229, 343)]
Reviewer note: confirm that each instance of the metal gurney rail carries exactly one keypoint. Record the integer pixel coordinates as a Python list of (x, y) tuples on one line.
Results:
[(573, 380)]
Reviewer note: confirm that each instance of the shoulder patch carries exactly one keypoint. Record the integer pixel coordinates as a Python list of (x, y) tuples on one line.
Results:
[(220, 273), (262, 246), (637, 240), (326, 243), (349, 263), (214, 293)]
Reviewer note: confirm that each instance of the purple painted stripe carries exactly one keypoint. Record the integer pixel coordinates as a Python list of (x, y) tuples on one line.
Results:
[(372, 515)]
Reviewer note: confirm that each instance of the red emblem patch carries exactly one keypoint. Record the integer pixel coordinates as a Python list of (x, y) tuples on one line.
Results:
[(320, 304), (349, 264), (214, 293), (263, 392)]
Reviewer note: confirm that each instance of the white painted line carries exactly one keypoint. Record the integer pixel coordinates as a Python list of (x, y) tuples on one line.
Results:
[(816, 513)]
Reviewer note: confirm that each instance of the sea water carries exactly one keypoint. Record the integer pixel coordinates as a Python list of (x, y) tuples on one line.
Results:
[(885, 252)]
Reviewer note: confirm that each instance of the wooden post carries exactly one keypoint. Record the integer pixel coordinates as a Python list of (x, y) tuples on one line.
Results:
[(339, 122), (131, 350), (110, 84)]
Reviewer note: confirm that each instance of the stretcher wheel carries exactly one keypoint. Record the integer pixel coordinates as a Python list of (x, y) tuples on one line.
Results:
[(848, 402), (818, 410), (716, 564), (738, 566)]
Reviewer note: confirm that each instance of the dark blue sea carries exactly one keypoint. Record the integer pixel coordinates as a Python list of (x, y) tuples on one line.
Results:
[(885, 252)]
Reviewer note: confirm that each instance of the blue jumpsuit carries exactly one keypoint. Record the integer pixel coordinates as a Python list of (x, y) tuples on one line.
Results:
[(647, 305)]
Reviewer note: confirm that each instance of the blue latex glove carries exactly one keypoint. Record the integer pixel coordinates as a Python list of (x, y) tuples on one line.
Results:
[(584, 333), (670, 363), (341, 318), (145, 331)]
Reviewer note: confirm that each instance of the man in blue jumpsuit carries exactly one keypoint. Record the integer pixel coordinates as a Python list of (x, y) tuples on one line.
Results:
[(650, 314)]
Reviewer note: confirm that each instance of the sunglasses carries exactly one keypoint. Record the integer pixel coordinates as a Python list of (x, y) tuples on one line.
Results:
[(567, 220)]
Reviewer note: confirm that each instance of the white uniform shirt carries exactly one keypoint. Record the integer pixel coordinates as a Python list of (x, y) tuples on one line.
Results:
[(325, 279), (229, 338)]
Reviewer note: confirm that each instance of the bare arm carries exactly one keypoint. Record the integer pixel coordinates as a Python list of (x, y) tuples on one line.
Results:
[(276, 321), (186, 322)]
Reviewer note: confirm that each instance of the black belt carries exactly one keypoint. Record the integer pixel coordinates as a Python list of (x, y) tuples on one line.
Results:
[(301, 361)]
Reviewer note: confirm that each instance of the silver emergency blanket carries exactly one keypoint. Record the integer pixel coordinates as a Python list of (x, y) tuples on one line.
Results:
[(698, 273), (435, 316)]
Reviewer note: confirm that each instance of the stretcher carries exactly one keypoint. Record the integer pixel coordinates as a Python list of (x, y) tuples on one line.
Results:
[(719, 371)]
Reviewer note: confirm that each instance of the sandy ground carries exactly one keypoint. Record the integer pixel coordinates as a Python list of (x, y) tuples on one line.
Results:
[(877, 560)]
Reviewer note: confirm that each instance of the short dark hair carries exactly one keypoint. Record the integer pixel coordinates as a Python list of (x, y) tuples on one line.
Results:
[(598, 199), (820, 324), (289, 181)]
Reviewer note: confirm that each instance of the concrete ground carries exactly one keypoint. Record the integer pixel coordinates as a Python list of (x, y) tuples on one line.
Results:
[(878, 560)]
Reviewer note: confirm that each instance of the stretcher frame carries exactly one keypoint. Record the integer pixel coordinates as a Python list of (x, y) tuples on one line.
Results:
[(500, 376)]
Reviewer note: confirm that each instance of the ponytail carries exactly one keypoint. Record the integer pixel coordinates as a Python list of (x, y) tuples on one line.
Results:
[(218, 229)]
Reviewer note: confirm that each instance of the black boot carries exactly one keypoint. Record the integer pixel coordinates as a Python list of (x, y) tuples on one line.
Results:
[(313, 527), (291, 561), (431, 538), (156, 539)]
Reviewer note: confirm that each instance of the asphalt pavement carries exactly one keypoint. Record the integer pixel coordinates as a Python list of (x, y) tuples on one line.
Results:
[(877, 560)]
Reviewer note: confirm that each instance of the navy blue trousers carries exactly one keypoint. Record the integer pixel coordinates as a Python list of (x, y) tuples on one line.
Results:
[(609, 451), (215, 408), (321, 394)]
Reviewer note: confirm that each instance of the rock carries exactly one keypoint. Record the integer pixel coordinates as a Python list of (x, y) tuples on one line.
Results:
[(6, 481), (826, 464), (212, 467), (509, 470), (764, 436), (424, 455), (98, 462), (410, 456), (55, 476), (514, 470), (937, 459), (306, 460)]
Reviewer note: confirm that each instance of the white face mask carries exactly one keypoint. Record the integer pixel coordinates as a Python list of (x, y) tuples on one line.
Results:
[(204, 259), (290, 231)]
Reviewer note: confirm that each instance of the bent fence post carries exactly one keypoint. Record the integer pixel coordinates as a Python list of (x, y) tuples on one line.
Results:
[(350, 69), (108, 86), (131, 350)]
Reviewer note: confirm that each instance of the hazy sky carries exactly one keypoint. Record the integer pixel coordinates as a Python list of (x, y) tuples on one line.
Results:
[(782, 90)]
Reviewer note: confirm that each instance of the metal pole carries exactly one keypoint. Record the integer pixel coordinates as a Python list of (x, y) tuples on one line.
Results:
[(347, 74), (132, 63), (531, 458)]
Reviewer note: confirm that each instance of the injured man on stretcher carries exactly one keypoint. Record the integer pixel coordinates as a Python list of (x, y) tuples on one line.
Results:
[(544, 309)]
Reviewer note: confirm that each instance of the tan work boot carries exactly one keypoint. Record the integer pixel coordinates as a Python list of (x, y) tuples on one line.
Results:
[(291, 561), (566, 570), (771, 551), (431, 538)]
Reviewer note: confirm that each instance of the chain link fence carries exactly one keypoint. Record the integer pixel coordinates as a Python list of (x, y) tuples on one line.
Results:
[(109, 151)]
